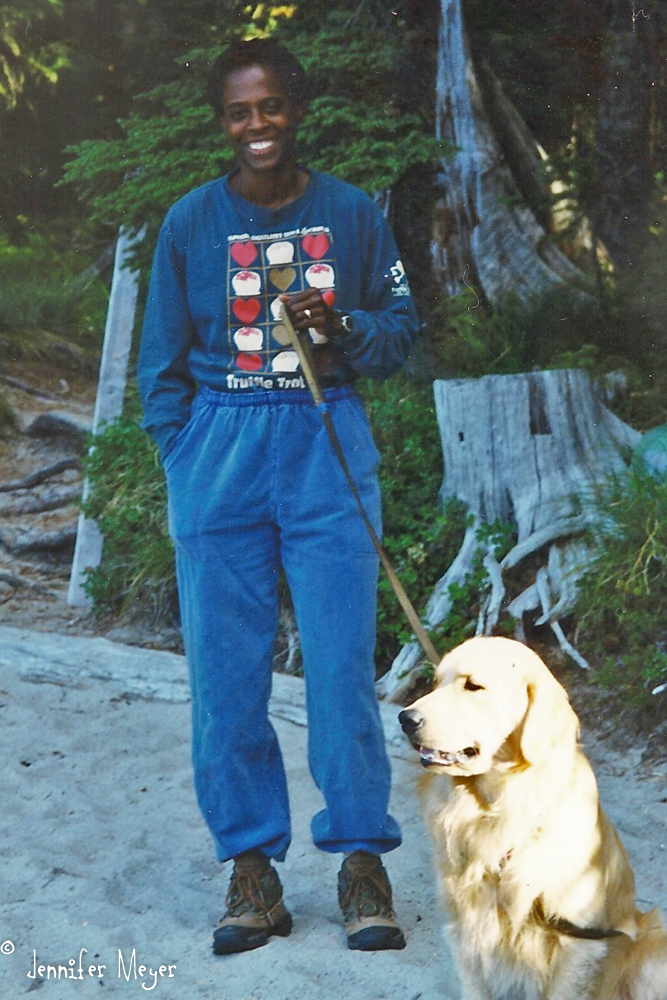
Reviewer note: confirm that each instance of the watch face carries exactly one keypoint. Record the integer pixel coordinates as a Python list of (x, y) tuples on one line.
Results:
[(346, 323)]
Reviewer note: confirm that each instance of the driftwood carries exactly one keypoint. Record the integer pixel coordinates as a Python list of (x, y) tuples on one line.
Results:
[(54, 541), (109, 401), (31, 390), (12, 580), (525, 450), (35, 478), (40, 506), (60, 424)]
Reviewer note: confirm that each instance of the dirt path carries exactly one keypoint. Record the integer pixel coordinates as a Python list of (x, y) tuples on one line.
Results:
[(105, 849)]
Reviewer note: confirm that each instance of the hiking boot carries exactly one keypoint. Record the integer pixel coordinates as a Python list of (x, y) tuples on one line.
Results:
[(255, 908), (364, 894)]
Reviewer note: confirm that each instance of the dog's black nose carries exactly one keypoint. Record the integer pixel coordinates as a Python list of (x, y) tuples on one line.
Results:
[(410, 721)]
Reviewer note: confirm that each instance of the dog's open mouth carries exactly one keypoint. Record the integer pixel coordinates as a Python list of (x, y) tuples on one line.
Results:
[(429, 756)]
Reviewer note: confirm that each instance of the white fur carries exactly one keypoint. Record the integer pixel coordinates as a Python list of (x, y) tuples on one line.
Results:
[(520, 822)]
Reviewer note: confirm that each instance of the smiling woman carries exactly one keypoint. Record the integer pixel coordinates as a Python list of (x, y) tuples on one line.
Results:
[(253, 486)]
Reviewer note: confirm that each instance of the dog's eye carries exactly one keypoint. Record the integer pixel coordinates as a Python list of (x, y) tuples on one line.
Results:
[(471, 686)]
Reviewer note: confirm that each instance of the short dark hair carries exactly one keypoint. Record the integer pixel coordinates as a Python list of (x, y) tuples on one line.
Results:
[(257, 52)]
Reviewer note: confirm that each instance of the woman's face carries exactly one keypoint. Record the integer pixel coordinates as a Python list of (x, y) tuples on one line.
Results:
[(259, 119)]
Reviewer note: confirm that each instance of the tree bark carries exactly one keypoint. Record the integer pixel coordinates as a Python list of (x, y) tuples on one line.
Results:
[(525, 450), (485, 234), (623, 134)]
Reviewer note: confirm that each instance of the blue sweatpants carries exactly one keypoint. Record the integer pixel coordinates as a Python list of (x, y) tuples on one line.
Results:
[(254, 484)]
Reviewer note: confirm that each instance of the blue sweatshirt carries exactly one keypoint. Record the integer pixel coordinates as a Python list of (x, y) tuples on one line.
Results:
[(220, 264)]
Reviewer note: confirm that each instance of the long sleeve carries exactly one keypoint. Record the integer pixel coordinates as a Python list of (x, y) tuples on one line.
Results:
[(165, 383), (385, 326)]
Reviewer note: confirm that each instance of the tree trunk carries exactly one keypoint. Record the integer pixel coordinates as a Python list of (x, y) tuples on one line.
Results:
[(623, 134), (485, 233), (525, 450)]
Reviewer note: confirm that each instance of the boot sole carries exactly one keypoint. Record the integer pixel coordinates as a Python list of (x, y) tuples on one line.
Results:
[(377, 939), (230, 940)]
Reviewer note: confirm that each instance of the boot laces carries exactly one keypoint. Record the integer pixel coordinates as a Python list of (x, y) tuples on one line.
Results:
[(367, 884), (245, 890)]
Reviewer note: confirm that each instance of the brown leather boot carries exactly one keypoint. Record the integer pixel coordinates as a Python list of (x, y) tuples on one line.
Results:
[(364, 895), (255, 908)]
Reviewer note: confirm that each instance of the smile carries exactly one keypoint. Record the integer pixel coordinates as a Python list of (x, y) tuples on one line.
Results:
[(260, 147)]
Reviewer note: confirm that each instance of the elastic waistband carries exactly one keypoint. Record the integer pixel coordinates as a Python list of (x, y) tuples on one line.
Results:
[(271, 397)]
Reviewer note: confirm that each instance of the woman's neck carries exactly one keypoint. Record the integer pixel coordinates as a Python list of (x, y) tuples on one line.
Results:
[(270, 190)]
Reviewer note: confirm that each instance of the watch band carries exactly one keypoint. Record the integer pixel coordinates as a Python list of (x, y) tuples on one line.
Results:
[(343, 325)]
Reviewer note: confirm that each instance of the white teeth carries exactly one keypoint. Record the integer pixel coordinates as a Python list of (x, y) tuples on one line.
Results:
[(258, 146)]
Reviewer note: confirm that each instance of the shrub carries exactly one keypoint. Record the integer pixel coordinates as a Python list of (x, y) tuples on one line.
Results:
[(40, 302), (128, 500), (420, 535), (622, 607), (560, 328)]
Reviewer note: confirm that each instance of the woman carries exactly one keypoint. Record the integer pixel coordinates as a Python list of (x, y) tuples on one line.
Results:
[(253, 484)]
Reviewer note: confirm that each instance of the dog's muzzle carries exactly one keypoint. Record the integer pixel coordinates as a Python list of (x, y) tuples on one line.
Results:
[(412, 722)]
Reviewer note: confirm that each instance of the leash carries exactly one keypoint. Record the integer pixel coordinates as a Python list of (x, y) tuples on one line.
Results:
[(302, 347)]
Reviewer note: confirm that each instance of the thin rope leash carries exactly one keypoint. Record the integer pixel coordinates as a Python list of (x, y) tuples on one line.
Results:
[(302, 348)]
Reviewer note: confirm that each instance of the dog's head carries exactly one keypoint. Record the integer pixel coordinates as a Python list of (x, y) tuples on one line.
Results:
[(495, 702)]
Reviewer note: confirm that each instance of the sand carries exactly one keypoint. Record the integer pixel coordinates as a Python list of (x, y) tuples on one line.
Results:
[(108, 864)]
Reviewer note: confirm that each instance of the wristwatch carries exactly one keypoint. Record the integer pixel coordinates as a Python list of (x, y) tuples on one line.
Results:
[(340, 324)]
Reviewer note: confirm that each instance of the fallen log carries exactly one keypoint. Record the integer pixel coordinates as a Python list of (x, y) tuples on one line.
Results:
[(55, 541), (18, 582), (35, 478), (31, 390), (60, 424), (40, 506), (527, 451)]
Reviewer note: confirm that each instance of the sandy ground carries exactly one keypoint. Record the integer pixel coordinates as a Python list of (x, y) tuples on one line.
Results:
[(104, 848)]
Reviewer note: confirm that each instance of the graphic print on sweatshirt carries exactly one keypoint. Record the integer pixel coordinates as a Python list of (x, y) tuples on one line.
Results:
[(260, 269)]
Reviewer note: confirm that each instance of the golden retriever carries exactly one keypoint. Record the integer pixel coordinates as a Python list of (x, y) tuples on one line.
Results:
[(538, 887)]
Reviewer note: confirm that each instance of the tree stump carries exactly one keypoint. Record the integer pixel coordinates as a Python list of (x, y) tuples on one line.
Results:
[(526, 450)]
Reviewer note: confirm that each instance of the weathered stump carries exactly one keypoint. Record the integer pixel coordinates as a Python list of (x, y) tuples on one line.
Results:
[(526, 450)]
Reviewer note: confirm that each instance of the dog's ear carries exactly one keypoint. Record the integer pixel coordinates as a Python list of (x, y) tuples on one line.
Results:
[(550, 723)]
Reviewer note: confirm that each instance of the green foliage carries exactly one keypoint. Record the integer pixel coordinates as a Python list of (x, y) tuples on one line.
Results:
[(40, 302), (170, 143), (355, 127), (129, 502), (559, 329), (421, 538), (622, 608), (21, 56)]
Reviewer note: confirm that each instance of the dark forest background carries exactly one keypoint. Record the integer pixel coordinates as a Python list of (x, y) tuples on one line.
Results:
[(103, 124)]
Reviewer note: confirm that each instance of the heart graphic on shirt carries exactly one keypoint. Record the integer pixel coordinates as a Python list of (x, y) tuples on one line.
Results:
[(249, 362), (247, 310), (329, 297), (244, 253), (282, 278), (315, 246), (280, 334)]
